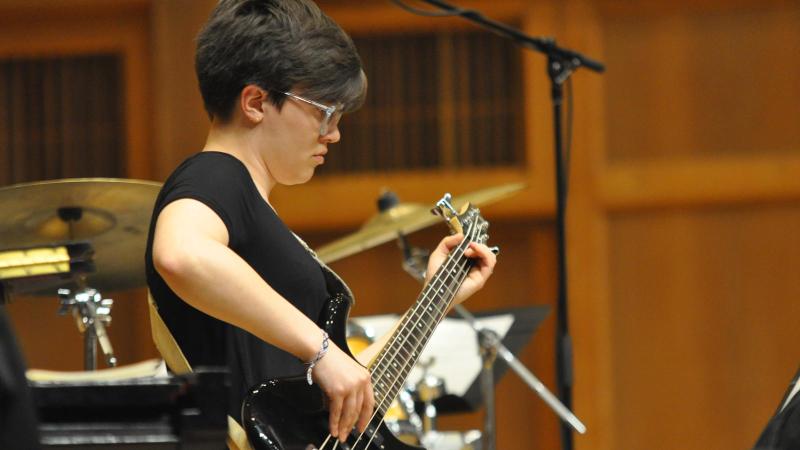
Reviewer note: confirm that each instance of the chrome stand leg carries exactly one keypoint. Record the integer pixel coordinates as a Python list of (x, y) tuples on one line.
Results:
[(486, 339), (92, 314), (89, 349)]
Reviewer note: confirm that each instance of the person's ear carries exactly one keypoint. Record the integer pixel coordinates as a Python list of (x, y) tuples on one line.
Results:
[(251, 102)]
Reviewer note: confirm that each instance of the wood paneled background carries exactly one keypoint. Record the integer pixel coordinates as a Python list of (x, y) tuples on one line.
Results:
[(683, 215)]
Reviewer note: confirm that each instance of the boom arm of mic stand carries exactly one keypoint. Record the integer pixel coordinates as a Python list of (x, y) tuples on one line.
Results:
[(417, 271), (543, 45)]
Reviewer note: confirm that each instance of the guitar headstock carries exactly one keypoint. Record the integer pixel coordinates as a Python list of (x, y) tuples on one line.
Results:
[(468, 221)]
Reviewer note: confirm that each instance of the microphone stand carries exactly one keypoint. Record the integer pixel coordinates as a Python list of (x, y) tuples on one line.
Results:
[(415, 263), (561, 64)]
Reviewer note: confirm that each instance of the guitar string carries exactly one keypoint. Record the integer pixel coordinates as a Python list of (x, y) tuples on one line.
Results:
[(408, 364), (425, 321), (424, 299), (382, 403), (412, 361), (380, 371), (324, 444), (411, 320), (415, 320), (418, 317), (390, 398), (404, 332), (422, 312)]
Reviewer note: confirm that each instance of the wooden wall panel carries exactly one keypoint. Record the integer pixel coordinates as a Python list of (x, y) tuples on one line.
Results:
[(704, 319), (679, 199), (180, 122), (702, 83)]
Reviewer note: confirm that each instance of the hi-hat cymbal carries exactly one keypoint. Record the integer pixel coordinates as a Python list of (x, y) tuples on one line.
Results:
[(405, 218), (113, 215)]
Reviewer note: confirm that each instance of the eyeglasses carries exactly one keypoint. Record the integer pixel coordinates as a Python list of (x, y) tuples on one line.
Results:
[(331, 113)]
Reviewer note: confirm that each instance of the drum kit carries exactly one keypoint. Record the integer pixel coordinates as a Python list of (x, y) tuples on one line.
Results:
[(80, 237)]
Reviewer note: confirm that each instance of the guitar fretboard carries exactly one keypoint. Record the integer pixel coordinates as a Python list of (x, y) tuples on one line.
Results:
[(395, 361)]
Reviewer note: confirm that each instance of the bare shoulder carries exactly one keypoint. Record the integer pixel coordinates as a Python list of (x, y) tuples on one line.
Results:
[(186, 219)]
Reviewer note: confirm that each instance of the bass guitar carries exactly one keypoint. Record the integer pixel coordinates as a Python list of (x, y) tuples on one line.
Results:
[(288, 414)]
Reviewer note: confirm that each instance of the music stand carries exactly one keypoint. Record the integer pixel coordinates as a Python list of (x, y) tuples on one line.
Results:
[(455, 342), (525, 321)]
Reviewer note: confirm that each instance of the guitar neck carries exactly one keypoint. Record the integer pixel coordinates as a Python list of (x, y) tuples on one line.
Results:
[(395, 361)]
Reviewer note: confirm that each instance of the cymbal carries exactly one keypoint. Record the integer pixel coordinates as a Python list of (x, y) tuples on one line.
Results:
[(113, 215), (406, 218)]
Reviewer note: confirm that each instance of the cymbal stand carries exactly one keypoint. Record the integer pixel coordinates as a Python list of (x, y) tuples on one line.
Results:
[(92, 314), (91, 311), (415, 264)]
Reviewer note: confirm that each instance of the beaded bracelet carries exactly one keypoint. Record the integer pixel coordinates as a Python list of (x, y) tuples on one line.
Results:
[(322, 351)]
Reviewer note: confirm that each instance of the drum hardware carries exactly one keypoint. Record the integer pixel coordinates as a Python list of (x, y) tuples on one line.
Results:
[(103, 218), (403, 420), (453, 440), (92, 314), (429, 388), (358, 337), (26, 269)]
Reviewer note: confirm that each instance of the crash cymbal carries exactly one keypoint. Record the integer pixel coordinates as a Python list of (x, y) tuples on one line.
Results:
[(405, 218), (113, 215)]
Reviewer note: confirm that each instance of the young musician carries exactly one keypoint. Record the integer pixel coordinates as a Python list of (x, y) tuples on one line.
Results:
[(232, 283)]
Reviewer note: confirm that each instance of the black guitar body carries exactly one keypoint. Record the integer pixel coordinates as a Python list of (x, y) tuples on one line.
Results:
[(288, 414)]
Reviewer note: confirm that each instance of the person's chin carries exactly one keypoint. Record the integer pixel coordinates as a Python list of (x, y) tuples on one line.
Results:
[(301, 178)]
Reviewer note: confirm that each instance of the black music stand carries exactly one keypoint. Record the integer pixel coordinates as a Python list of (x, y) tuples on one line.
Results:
[(526, 320)]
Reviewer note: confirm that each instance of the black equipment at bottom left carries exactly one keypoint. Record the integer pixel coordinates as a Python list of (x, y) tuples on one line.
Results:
[(175, 412)]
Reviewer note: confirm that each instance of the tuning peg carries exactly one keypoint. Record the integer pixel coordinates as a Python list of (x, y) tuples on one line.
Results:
[(444, 203)]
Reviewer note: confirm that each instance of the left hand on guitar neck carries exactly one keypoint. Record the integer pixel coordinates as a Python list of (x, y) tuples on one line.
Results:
[(478, 274)]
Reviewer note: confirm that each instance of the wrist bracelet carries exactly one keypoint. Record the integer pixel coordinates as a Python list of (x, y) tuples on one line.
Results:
[(322, 351)]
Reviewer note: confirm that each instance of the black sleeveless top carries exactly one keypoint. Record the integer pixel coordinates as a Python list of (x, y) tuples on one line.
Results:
[(258, 236), (783, 429)]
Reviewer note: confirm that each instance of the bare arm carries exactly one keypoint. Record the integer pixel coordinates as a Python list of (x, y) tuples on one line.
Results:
[(190, 252)]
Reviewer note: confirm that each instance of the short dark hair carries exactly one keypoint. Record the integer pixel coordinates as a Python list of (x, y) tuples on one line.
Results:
[(278, 45)]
